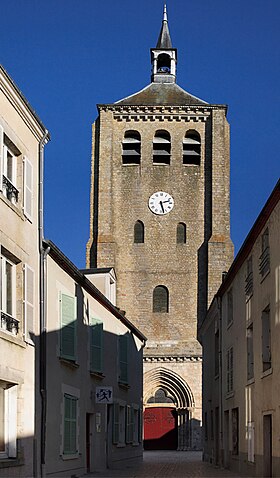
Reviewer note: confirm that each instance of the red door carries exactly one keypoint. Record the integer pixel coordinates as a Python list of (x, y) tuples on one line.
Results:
[(160, 428)]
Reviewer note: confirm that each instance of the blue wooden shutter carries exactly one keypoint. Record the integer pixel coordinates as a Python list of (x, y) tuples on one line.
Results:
[(68, 327), (123, 358), (96, 345)]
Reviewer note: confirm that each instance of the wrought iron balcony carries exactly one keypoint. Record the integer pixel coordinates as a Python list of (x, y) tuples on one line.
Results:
[(9, 323), (11, 190), (264, 262)]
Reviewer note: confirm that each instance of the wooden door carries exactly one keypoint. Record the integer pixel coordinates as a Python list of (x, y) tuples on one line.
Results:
[(160, 428)]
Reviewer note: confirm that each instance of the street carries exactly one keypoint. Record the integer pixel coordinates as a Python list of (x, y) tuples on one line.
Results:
[(172, 464)]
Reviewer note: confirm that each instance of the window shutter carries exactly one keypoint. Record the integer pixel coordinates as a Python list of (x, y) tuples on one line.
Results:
[(123, 363), (1, 156), (70, 424), (11, 404), (68, 327), (96, 345), (28, 188), (28, 301), (116, 423)]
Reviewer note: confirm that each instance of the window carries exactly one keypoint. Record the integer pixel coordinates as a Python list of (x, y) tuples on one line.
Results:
[(235, 431), (11, 173), (138, 232), (8, 293), (8, 420), (70, 445), (129, 424), (251, 442), (160, 299), (68, 327), (230, 370), (191, 148), (181, 233), (264, 260), (161, 147), (96, 345), (119, 428), (217, 349), (266, 339), (163, 63), (123, 358), (131, 148), (229, 307), (250, 352), (205, 427), (249, 278)]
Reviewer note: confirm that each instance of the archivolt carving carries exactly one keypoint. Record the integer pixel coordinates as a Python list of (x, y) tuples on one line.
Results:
[(172, 383)]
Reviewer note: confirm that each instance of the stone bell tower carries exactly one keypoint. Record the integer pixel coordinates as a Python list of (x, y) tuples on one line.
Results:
[(160, 217)]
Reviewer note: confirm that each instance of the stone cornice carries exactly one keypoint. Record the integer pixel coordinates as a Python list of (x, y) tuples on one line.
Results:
[(160, 113), (21, 105), (173, 358)]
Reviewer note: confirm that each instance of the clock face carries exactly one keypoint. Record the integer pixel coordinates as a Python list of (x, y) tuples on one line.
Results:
[(161, 203)]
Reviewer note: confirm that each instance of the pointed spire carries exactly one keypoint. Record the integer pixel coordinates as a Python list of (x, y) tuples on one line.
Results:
[(164, 40)]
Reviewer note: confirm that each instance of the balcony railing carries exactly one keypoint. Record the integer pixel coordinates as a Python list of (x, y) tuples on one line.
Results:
[(11, 190), (264, 262), (9, 323)]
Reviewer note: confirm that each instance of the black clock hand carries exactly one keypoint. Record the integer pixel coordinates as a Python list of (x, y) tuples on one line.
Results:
[(162, 208)]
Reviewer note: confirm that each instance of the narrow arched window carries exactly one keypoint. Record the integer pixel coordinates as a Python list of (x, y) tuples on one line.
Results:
[(161, 147), (138, 232), (181, 233), (163, 63), (131, 148), (160, 299), (192, 148)]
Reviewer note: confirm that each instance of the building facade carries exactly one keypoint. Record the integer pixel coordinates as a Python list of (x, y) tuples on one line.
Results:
[(94, 372), (160, 217), (240, 339), (22, 138)]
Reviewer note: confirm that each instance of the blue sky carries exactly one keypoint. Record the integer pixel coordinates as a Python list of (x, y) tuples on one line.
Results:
[(68, 55)]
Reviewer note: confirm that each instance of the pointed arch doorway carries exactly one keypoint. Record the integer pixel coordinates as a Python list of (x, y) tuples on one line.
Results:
[(168, 405)]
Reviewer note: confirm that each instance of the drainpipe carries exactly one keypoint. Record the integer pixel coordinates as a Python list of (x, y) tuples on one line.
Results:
[(42, 279)]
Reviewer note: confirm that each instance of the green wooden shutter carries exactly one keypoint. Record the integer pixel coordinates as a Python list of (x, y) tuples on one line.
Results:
[(96, 345), (70, 425), (68, 327), (123, 358), (116, 423)]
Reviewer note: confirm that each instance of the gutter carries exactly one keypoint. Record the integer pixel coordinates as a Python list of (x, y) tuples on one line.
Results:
[(42, 309)]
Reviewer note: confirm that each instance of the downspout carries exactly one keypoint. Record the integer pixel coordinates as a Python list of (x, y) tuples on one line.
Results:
[(42, 279)]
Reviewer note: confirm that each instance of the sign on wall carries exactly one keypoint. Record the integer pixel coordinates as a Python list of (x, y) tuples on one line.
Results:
[(104, 395)]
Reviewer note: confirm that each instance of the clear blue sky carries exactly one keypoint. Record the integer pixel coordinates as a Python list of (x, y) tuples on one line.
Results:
[(68, 55)]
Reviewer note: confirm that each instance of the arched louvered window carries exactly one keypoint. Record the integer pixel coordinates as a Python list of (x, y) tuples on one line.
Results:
[(131, 148), (181, 233), (138, 232), (192, 148), (161, 147), (160, 299)]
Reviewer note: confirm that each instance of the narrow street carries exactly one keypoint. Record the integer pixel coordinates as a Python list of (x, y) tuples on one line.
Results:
[(171, 464)]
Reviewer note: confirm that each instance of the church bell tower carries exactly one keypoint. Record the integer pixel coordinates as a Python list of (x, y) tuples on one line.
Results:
[(160, 216)]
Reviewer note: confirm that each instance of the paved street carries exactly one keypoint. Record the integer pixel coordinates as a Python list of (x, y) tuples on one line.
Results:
[(171, 464)]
